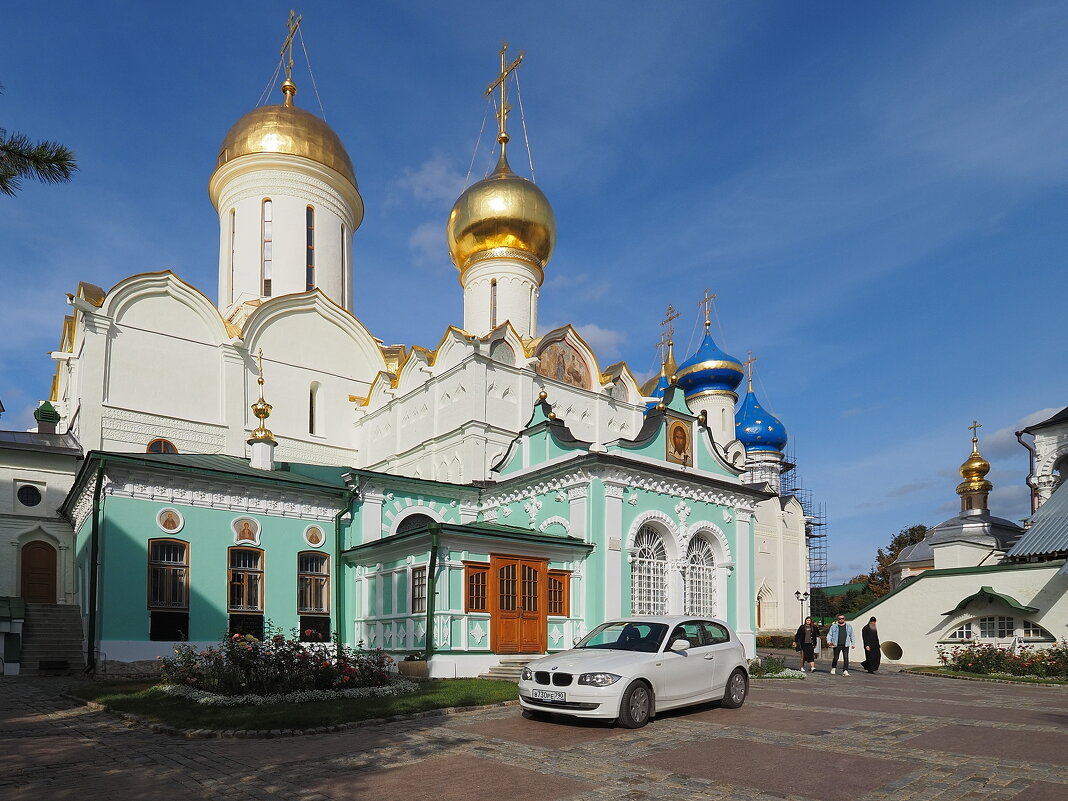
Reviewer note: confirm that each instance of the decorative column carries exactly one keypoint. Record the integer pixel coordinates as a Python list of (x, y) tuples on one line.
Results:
[(744, 592), (613, 544)]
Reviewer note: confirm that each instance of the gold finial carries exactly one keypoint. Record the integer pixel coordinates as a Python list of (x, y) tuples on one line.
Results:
[(748, 364), (501, 81), (706, 304), (288, 87), (543, 395), (261, 408), (974, 428)]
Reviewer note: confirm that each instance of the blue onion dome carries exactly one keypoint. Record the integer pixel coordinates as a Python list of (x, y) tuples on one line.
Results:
[(658, 390), (757, 428), (710, 370)]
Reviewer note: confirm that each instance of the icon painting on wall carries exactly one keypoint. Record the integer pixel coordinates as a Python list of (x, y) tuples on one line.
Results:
[(246, 531), (313, 535), (561, 361), (679, 443), (170, 520)]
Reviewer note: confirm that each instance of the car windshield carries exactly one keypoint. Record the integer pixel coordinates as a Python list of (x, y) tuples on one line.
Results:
[(626, 636)]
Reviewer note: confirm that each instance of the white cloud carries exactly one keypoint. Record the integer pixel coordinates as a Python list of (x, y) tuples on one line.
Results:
[(428, 244), (434, 180), (605, 342)]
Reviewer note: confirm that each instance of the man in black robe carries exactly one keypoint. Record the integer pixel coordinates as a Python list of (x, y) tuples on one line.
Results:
[(872, 654)]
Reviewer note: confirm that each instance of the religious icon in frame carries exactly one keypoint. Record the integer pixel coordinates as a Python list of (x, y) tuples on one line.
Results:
[(679, 443), (313, 535), (170, 520), (246, 531)]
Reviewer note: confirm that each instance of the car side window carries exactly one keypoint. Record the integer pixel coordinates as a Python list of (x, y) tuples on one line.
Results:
[(715, 633), (689, 631)]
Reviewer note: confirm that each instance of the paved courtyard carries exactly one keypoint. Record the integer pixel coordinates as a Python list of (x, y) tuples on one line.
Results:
[(832, 738)]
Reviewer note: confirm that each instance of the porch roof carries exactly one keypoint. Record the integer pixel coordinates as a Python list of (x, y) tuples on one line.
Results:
[(487, 531)]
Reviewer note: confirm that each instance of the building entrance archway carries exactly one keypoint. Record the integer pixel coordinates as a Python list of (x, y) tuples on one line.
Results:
[(38, 584)]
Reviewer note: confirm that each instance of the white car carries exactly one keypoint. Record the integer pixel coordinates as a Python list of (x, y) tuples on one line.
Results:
[(632, 668)]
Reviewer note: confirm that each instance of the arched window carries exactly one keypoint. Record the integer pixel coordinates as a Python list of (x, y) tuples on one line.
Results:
[(344, 270), (246, 580), (233, 247), (648, 573), (314, 418), (412, 522), (161, 446), (267, 236), (310, 224), (493, 303), (313, 583), (700, 578)]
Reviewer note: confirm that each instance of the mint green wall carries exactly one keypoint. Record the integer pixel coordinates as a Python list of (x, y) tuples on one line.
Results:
[(128, 525), (596, 562)]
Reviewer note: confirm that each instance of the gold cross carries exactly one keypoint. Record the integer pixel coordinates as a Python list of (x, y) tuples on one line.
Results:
[(706, 304), (974, 428), (259, 362), (501, 81), (748, 364), (288, 43), (661, 348), (669, 321)]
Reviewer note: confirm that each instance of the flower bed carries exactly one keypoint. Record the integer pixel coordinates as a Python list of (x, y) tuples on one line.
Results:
[(399, 687), (242, 666), (986, 659), (772, 667)]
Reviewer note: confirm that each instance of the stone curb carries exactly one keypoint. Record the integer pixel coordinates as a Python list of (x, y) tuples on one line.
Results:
[(978, 678), (266, 734)]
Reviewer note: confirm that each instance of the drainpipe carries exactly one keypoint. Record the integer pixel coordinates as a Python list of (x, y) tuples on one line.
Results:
[(94, 556), (431, 589), (339, 597), (1031, 470)]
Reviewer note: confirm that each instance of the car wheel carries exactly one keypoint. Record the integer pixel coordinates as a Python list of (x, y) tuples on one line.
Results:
[(637, 706), (736, 690)]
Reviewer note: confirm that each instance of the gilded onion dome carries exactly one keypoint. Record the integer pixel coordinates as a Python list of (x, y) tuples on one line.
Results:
[(756, 428), (501, 211), (974, 471), (287, 129), (710, 371)]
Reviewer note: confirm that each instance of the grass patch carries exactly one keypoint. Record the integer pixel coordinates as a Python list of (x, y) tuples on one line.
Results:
[(142, 698), (959, 674)]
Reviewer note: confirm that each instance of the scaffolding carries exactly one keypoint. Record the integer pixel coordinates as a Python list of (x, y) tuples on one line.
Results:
[(791, 483)]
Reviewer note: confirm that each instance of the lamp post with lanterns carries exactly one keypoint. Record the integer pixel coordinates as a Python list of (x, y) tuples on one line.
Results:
[(801, 598)]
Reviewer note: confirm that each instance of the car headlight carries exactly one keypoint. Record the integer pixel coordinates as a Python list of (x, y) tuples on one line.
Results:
[(528, 674), (598, 679)]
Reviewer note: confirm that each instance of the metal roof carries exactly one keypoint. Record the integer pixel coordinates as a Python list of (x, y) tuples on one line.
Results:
[(62, 444), (988, 592), (1049, 528), (1059, 417)]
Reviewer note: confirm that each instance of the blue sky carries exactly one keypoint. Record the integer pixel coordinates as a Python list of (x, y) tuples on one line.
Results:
[(876, 192)]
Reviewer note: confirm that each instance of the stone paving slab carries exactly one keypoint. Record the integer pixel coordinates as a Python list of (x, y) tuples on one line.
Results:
[(1050, 747), (781, 768), (45, 750), (559, 731), (794, 721), (1042, 791), (449, 778), (260, 753)]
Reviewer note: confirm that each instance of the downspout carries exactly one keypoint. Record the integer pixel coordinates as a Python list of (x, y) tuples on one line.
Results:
[(1031, 470), (431, 590), (339, 597), (94, 556)]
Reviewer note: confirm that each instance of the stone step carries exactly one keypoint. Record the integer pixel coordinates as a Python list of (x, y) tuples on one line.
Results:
[(510, 668)]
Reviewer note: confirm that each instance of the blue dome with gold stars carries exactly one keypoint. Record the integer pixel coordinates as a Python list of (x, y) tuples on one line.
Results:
[(709, 370), (757, 429)]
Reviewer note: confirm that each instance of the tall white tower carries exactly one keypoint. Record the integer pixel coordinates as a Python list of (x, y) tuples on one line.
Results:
[(501, 233), (288, 204)]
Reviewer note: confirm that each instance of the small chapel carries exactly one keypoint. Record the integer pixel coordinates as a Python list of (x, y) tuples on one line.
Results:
[(495, 495)]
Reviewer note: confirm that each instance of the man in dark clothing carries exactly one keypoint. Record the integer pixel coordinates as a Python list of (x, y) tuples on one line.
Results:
[(872, 654)]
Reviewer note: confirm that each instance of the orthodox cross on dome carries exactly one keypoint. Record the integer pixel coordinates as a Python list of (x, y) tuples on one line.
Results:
[(259, 370), (261, 408), (669, 321), (705, 303), (748, 365), (661, 348), (288, 87), (974, 428), (501, 81)]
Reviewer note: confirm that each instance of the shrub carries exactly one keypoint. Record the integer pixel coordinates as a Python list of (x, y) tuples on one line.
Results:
[(774, 641), (243, 665), (974, 657), (766, 666)]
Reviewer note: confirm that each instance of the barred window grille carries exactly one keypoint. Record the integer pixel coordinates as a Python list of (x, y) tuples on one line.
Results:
[(700, 579), (313, 580), (648, 573), (246, 580), (168, 575)]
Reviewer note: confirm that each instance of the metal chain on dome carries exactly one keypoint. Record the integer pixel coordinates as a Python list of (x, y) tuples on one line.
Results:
[(523, 119), (311, 74), (478, 142)]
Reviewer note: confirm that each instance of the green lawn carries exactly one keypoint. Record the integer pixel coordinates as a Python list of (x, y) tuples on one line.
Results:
[(1000, 677), (142, 698)]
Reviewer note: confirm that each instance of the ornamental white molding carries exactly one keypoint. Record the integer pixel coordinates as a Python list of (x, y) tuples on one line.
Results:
[(614, 491), (532, 507), (261, 183), (679, 487), (391, 520), (566, 481), (714, 534), (310, 452), (671, 542), (478, 634), (83, 506), (556, 635), (233, 495), (442, 631), (138, 428), (683, 510), (556, 520)]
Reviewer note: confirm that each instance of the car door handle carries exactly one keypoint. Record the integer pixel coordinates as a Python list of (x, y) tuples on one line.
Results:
[(710, 656)]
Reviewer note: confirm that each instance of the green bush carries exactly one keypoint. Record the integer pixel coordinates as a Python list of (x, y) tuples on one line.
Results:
[(243, 665), (766, 666), (774, 641), (974, 657)]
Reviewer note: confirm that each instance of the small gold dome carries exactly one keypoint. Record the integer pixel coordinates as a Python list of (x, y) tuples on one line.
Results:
[(501, 211), (974, 471), (286, 129)]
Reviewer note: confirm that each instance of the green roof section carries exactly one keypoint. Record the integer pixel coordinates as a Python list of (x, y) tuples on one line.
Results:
[(988, 592), (486, 530), (12, 609), (834, 590)]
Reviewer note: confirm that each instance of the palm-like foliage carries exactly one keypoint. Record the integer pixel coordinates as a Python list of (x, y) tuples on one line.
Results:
[(48, 162)]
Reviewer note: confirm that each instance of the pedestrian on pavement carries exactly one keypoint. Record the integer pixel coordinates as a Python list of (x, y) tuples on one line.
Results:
[(840, 638), (807, 640), (869, 635)]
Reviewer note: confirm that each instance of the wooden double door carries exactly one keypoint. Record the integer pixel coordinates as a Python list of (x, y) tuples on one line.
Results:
[(518, 594), (38, 573)]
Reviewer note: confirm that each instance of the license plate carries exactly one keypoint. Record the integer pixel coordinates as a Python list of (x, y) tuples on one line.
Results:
[(547, 695)]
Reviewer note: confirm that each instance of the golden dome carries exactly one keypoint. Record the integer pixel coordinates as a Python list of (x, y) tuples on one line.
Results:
[(974, 471), (501, 211), (287, 129)]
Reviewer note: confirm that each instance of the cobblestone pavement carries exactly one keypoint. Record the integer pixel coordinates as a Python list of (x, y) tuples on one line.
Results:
[(830, 738)]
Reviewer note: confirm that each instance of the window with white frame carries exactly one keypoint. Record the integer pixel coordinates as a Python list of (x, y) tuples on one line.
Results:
[(700, 578), (962, 632), (648, 573), (1033, 631), (995, 628), (267, 246), (313, 580), (418, 589)]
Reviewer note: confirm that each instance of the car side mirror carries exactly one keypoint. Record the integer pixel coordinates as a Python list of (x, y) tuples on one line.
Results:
[(680, 645)]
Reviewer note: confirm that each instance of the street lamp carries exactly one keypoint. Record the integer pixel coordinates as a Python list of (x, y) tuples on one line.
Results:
[(801, 598)]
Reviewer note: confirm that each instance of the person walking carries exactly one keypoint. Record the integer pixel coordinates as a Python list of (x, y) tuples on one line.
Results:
[(840, 638), (807, 640), (869, 635)]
